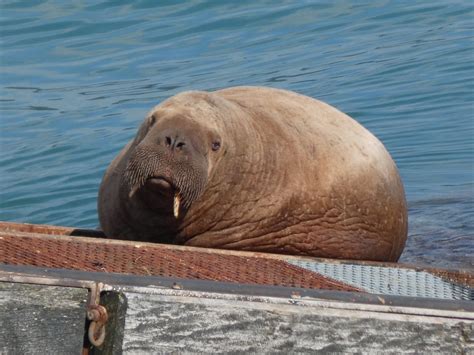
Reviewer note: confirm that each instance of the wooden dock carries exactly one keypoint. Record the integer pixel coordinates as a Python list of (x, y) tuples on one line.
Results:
[(62, 290)]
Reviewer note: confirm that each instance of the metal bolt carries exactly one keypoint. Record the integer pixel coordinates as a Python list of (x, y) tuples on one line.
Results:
[(97, 314)]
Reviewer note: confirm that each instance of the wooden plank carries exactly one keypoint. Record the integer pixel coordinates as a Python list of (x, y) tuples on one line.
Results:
[(160, 321), (177, 317), (37, 319)]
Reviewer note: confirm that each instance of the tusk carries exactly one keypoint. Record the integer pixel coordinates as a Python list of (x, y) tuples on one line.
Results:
[(176, 205), (132, 192)]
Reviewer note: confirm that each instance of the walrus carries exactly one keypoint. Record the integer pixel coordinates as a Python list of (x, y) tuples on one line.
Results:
[(256, 169)]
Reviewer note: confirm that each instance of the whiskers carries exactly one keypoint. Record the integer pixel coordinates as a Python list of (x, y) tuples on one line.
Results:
[(187, 177), (140, 167)]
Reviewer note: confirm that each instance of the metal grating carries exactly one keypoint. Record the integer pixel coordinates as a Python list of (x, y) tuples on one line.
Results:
[(390, 280), (66, 248), (87, 254)]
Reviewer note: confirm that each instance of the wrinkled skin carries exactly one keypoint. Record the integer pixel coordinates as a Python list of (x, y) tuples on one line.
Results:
[(256, 169)]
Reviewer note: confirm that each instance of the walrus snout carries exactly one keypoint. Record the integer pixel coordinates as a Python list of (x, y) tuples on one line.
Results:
[(159, 173)]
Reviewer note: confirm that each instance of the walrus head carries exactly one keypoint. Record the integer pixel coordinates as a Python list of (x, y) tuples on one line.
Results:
[(170, 162)]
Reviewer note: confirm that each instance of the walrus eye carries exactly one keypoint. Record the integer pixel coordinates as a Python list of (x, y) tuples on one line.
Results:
[(216, 146), (152, 120)]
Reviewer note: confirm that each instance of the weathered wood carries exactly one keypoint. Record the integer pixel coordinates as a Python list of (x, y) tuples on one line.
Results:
[(37, 319), (165, 323), (181, 317)]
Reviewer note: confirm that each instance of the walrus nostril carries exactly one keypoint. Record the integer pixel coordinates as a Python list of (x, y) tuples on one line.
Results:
[(174, 143)]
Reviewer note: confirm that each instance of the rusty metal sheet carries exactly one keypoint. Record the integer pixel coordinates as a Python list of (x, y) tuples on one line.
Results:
[(88, 250), (29, 245)]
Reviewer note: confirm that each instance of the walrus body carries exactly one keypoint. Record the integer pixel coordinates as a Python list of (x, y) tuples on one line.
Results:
[(253, 168)]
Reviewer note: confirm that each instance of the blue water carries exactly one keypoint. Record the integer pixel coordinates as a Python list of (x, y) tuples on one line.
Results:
[(78, 77)]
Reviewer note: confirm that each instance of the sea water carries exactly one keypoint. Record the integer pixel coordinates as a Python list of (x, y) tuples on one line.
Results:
[(78, 77)]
